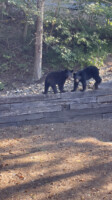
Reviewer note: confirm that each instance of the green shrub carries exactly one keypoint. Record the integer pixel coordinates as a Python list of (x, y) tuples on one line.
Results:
[(65, 47), (1, 86)]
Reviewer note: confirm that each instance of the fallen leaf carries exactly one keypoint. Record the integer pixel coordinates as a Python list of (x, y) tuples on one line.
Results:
[(20, 176)]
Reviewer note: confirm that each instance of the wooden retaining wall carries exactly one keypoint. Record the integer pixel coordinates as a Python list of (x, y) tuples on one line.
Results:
[(52, 108)]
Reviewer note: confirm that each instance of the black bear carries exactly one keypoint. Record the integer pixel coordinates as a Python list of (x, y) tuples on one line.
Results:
[(86, 74), (57, 78)]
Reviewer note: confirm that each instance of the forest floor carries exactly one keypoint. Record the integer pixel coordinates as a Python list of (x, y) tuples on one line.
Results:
[(64, 161)]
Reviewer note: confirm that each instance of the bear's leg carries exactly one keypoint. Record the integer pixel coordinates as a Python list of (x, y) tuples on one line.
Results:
[(98, 81), (83, 86), (54, 88), (46, 87), (61, 87), (96, 86), (75, 86)]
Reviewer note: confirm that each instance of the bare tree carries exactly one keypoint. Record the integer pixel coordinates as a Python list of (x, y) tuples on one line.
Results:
[(39, 40)]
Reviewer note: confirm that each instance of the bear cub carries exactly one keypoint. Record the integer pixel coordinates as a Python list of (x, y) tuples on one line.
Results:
[(86, 74), (57, 78)]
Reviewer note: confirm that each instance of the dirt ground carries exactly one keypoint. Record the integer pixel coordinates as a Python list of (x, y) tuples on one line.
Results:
[(66, 161)]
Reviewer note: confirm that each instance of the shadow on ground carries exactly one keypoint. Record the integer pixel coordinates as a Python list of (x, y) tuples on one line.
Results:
[(57, 161)]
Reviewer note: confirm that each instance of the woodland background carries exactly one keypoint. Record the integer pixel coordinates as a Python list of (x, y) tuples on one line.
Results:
[(75, 34)]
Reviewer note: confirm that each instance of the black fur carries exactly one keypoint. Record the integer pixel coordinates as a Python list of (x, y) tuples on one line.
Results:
[(86, 74), (57, 78)]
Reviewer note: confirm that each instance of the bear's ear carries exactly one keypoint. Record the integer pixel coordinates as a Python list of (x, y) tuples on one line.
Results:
[(66, 70)]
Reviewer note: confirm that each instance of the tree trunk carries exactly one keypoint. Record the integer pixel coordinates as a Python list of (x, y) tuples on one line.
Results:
[(39, 40)]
